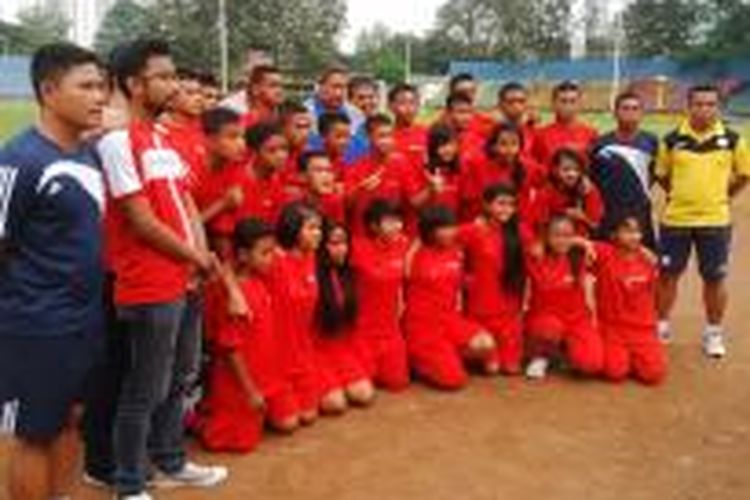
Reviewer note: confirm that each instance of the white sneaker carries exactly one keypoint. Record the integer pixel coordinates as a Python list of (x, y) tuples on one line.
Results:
[(95, 482), (139, 496), (713, 344), (192, 475), (537, 369)]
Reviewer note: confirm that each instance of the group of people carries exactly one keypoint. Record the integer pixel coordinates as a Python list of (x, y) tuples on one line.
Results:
[(287, 259)]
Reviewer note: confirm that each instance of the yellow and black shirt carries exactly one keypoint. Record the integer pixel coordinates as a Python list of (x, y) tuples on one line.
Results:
[(699, 168)]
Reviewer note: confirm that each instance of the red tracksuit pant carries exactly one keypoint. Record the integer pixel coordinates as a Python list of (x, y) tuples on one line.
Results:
[(633, 352), (582, 343)]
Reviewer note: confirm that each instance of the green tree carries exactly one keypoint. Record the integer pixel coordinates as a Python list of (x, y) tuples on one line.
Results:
[(381, 53), (663, 27), (36, 26), (727, 34), (126, 20)]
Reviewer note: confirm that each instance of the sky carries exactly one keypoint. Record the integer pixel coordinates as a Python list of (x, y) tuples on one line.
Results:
[(399, 15)]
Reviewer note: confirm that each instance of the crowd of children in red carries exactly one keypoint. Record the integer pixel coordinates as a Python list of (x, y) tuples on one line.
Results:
[(464, 246), (322, 251)]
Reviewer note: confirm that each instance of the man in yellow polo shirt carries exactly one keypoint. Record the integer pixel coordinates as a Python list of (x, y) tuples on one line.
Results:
[(701, 165)]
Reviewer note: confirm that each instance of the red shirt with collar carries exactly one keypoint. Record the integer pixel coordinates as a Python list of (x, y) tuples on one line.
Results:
[(141, 161), (551, 138), (625, 288)]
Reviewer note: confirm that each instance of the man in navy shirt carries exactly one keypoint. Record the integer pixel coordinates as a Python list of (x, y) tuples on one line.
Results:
[(51, 204), (622, 164)]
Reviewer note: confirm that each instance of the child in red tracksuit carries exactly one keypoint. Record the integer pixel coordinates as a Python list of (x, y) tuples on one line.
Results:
[(219, 192), (495, 276), (626, 276), (343, 377), (378, 260), (294, 290), (439, 337), (500, 161), (569, 192), (243, 380), (437, 182), (558, 318)]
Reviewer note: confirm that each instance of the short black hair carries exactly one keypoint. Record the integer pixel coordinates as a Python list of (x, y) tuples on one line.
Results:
[(433, 218), (289, 108), (458, 79), (188, 74), (361, 81), (456, 98), (305, 158), (377, 120), (624, 215), (510, 87), (208, 79), (566, 86), (327, 121), (130, 59), (626, 96), (702, 88), (290, 222), (259, 73), (379, 209), (248, 232), (52, 61), (335, 69), (401, 88), (259, 133), (214, 120)]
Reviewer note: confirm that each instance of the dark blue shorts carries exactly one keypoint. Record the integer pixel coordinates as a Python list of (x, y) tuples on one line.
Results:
[(711, 246), (41, 378)]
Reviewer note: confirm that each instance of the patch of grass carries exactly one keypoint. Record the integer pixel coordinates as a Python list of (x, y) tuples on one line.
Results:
[(15, 115)]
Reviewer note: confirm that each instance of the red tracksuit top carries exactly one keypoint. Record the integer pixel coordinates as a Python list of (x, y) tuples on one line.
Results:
[(294, 291), (411, 142), (380, 278), (263, 198), (392, 186), (550, 201), (549, 139), (479, 172), (625, 288), (555, 290), (450, 196), (435, 278), (484, 251), (255, 338), (214, 186)]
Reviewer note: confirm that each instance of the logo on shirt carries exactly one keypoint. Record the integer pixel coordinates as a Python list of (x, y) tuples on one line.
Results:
[(7, 182), (87, 177)]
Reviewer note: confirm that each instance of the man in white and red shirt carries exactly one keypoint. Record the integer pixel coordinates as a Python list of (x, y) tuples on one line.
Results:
[(154, 247)]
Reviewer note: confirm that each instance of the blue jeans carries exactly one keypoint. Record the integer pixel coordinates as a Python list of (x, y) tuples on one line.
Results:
[(163, 344)]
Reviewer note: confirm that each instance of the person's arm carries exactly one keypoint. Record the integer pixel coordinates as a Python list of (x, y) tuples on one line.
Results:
[(663, 167), (199, 232), (232, 199), (146, 225), (16, 194), (125, 186), (741, 168), (249, 387)]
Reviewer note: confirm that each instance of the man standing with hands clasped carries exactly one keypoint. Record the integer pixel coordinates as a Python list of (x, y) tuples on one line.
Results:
[(701, 165), (155, 245)]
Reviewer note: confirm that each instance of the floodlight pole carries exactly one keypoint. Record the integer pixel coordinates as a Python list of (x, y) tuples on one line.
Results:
[(617, 58), (407, 60), (223, 45)]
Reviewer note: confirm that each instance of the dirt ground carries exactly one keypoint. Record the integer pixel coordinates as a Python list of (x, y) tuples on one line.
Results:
[(506, 438)]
